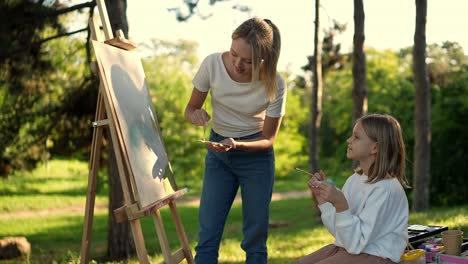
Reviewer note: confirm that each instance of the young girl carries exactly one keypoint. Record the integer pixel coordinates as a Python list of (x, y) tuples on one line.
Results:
[(369, 217)]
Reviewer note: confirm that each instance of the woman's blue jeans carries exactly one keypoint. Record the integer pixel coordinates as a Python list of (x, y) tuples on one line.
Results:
[(225, 172)]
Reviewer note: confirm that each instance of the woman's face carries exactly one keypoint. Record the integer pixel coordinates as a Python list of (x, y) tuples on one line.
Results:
[(240, 56)]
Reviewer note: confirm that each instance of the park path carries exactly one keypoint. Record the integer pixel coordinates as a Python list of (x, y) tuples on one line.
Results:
[(190, 201)]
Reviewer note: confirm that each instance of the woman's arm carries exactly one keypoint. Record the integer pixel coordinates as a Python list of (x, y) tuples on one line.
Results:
[(270, 130), (194, 113)]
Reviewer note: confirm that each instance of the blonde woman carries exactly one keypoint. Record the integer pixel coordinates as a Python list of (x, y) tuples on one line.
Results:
[(248, 99), (369, 218)]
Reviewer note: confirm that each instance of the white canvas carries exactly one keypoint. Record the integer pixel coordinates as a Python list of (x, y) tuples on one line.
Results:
[(136, 122)]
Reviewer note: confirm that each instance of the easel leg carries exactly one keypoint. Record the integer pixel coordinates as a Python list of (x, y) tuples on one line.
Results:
[(181, 233), (92, 182), (139, 242), (163, 241), (184, 252)]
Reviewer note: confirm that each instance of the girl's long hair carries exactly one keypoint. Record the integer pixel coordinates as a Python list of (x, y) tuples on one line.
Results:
[(391, 155)]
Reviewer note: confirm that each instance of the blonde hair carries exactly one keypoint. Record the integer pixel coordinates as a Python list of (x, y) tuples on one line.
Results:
[(390, 158), (265, 40)]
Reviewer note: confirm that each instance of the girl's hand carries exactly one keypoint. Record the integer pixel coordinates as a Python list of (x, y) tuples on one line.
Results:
[(314, 183), (200, 117), (330, 193)]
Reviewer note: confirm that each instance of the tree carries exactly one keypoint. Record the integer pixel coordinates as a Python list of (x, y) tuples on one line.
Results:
[(39, 101), (359, 63), (316, 106), (443, 61), (331, 59), (184, 13), (449, 141), (422, 113)]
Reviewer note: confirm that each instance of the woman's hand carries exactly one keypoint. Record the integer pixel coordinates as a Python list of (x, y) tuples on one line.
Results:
[(224, 146), (200, 117)]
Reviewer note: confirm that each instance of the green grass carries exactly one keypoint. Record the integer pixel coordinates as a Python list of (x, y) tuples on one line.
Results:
[(55, 235), (60, 184), (63, 184)]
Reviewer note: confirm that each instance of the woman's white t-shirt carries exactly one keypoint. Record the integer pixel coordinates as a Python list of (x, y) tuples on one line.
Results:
[(239, 109)]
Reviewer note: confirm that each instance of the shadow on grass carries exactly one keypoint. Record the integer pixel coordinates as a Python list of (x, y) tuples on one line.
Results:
[(26, 186)]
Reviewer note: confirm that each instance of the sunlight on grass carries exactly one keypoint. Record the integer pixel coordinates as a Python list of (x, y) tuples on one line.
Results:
[(60, 184), (229, 251), (454, 218), (59, 235), (299, 244)]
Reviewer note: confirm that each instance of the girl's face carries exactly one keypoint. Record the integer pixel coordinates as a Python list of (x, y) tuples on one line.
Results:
[(360, 146), (240, 57)]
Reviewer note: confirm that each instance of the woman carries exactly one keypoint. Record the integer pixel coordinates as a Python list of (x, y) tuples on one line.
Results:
[(248, 97)]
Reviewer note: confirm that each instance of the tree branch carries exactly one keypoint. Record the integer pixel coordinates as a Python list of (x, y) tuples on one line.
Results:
[(62, 35), (90, 4), (38, 43)]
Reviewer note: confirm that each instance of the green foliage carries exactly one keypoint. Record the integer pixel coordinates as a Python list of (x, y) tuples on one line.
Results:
[(44, 91), (391, 91), (21, 33), (54, 117), (336, 124), (449, 161), (22, 74), (290, 143), (448, 73)]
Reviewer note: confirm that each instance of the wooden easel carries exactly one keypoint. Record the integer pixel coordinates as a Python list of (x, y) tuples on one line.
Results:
[(131, 211)]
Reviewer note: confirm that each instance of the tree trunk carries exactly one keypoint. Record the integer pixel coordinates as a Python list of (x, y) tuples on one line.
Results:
[(120, 244), (359, 63), (316, 106), (117, 10), (422, 113)]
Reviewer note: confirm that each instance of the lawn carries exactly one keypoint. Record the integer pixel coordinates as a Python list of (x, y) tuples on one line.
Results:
[(47, 207)]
